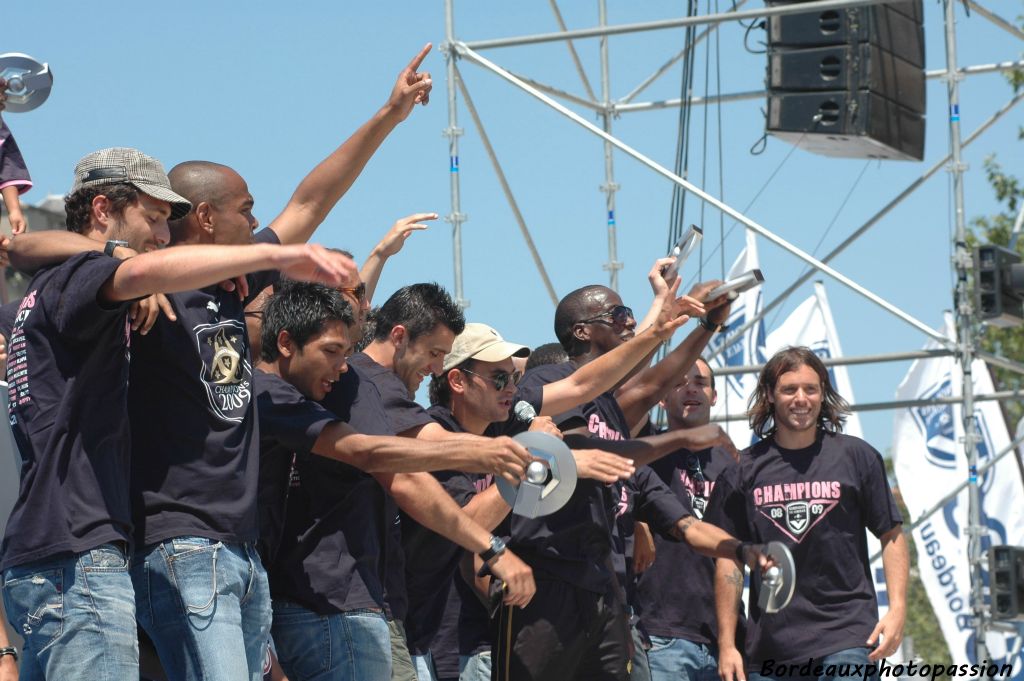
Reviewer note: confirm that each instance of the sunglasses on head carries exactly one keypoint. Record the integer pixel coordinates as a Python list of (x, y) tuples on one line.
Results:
[(620, 315), (498, 380), (357, 292)]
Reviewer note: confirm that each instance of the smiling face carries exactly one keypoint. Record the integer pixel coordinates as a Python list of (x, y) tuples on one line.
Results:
[(143, 224), (604, 331), (422, 357), (315, 367), (797, 399), (689, 404)]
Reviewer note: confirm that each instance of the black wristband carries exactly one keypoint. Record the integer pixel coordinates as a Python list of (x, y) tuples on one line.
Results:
[(713, 328)]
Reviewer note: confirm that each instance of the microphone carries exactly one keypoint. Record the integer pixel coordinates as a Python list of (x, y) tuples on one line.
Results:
[(524, 411)]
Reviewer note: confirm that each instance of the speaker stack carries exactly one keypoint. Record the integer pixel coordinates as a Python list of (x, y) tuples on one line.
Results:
[(849, 83)]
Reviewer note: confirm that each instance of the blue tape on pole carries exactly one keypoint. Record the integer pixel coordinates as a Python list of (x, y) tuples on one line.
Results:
[(454, 163), (954, 112), (611, 217)]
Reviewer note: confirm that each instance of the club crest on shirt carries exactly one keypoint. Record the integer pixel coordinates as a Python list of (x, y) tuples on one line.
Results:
[(794, 508), (226, 370)]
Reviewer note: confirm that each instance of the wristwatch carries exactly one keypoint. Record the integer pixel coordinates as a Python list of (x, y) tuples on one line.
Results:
[(713, 328), (497, 548), (12, 651), (108, 250)]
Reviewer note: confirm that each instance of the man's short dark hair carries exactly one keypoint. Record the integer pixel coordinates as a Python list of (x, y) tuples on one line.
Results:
[(78, 204), (549, 353), (571, 309), (302, 309), (439, 392), (711, 370), (419, 308)]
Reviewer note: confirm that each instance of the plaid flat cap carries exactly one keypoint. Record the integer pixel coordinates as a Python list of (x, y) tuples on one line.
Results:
[(122, 164)]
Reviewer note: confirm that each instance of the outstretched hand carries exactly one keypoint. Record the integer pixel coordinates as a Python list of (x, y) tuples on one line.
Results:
[(312, 262), (400, 231), (412, 87)]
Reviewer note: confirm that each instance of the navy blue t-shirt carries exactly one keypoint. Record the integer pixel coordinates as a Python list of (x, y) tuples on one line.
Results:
[(818, 501), (676, 595), (194, 429), (644, 498), (432, 560), (67, 372), (402, 414), (574, 544), (329, 555)]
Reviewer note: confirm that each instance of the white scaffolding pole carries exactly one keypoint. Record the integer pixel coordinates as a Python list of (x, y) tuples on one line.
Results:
[(456, 217)]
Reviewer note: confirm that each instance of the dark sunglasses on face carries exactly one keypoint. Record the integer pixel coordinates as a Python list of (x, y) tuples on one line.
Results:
[(620, 316), (357, 292), (498, 380)]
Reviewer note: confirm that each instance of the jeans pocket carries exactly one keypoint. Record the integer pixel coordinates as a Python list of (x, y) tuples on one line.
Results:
[(106, 558), (193, 570), (303, 642), (35, 604), (660, 643)]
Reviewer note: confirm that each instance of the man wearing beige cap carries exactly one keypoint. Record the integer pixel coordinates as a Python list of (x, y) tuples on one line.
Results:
[(477, 388), (64, 559)]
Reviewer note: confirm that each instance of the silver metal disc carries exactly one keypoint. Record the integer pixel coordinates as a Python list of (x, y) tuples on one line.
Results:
[(29, 81), (533, 500)]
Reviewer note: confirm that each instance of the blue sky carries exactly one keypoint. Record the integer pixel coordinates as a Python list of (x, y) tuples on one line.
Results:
[(270, 91)]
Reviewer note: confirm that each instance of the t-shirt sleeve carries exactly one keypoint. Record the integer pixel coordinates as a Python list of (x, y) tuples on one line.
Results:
[(287, 416), (460, 486), (8, 313), (878, 507), (261, 280), (13, 171), (74, 294), (727, 507), (403, 412), (656, 504), (535, 379)]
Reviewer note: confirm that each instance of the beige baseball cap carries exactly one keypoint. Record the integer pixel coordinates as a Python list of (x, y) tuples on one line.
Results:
[(479, 341)]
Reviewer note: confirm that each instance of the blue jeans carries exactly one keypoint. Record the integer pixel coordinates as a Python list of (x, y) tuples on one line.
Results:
[(475, 667), (77, 615), (676, 658), (351, 646), (206, 605), (847, 665), (424, 665)]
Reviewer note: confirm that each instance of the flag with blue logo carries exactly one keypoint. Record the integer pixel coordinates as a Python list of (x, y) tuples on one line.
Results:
[(930, 462)]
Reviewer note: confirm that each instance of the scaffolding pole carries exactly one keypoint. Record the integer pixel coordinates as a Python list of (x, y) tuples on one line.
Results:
[(966, 338), (610, 186), (456, 217)]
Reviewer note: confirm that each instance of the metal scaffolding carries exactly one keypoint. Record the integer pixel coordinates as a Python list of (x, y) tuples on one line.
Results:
[(964, 347)]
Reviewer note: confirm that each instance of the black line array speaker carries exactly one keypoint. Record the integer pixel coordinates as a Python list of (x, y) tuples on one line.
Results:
[(849, 83)]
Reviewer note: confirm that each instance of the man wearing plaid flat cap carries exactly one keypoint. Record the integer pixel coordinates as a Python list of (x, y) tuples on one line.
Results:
[(64, 557)]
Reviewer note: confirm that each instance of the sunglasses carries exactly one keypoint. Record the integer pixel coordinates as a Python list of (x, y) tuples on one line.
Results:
[(499, 380), (358, 292), (620, 316)]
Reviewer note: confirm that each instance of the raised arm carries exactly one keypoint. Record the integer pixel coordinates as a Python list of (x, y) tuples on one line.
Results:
[(317, 194), (390, 245), (641, 392), (605, 372)]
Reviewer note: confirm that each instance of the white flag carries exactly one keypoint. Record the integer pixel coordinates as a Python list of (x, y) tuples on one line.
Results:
[(930, 462), (735, 390)]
